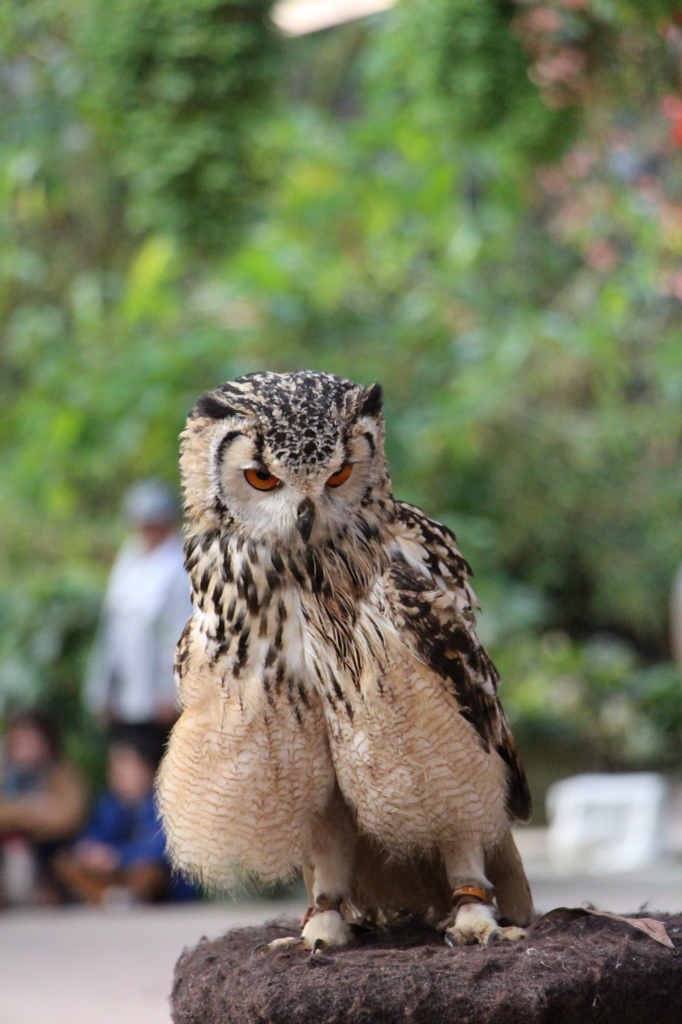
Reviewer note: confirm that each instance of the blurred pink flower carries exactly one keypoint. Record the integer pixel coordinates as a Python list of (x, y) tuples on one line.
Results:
[(553, 180), (671, 284), (563, 66), (570, 219), (650, 190), (670, 219), (676, 286), (671, 107), (544, 19), (602, 256), (578, 162)]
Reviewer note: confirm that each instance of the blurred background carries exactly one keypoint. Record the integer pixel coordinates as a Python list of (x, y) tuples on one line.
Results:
[(477, 202)]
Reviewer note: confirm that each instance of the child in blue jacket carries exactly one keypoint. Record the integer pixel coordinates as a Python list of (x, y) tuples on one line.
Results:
[(120, 855)]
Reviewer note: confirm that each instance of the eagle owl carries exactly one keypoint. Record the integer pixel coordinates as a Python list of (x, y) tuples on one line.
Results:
[(339, 714)]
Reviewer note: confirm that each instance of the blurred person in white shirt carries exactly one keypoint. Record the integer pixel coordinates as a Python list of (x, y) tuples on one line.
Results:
[(146, 606)]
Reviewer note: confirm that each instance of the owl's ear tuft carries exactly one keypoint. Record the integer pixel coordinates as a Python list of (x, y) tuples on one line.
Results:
[(211, 405), (371, 400)]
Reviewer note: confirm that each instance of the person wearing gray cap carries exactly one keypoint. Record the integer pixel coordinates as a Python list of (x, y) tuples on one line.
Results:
[(146, 606)]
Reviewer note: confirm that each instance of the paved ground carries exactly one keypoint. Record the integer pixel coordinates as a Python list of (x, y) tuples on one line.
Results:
[(88, 967), (79, 966)]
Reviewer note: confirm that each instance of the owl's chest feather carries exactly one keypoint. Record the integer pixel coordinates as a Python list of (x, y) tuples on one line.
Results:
[(284, 623)]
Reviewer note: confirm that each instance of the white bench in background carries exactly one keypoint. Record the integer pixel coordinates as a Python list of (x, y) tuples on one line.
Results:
[(600, 824)]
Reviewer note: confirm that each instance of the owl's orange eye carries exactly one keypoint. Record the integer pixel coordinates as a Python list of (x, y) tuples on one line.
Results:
[(262, 479), (336, 479)]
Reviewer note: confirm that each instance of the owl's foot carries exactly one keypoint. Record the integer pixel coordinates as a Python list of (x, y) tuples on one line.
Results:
[(475, 923), (325, 928)]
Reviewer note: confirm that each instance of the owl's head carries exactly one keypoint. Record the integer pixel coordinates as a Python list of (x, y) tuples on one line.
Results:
[(284, 457)]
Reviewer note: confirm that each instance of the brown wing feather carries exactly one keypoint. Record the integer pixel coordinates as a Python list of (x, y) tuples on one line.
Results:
[(428, 579)]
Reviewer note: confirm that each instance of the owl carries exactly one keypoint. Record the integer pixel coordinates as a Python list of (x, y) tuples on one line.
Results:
[(339, 714)]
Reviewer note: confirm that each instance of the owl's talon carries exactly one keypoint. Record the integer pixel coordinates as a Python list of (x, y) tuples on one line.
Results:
[(288, 942), (317, 944)]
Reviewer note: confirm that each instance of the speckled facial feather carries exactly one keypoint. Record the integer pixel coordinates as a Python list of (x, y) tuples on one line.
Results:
[(299, 417)]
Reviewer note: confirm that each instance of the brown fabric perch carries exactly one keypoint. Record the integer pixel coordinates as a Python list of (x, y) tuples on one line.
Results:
[(573, 967)]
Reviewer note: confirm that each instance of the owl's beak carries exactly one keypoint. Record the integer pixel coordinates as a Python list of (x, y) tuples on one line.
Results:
[(305, 517)]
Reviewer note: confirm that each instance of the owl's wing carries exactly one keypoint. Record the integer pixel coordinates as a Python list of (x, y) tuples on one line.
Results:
[(432, 603)]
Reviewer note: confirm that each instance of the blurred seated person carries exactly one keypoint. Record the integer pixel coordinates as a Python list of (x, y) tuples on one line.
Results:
[(147, 604), (120, 855), (42, 805)]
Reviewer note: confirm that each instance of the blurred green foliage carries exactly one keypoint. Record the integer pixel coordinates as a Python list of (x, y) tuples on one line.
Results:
[(177, 90), (479, 203)]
